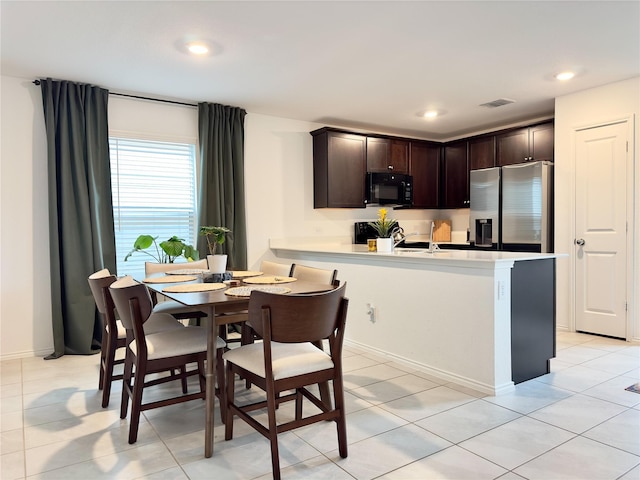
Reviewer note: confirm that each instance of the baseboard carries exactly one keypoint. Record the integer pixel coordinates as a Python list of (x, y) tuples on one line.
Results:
[(493, 390), (26, 354)]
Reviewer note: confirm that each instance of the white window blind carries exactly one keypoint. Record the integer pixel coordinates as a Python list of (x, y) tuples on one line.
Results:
[(154, 192)]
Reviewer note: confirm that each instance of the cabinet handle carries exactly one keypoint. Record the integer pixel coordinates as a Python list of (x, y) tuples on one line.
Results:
[(390, 167)]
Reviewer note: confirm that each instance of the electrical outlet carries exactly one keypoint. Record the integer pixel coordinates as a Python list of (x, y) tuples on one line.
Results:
[(371, 311)]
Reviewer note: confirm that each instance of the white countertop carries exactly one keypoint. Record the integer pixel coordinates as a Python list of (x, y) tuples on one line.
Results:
[(342, 246)]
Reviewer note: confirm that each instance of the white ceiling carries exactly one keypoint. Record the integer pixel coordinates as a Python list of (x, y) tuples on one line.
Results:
[(370, 65)]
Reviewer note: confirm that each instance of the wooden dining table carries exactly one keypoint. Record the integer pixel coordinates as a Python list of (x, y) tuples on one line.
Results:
[(214, 303)]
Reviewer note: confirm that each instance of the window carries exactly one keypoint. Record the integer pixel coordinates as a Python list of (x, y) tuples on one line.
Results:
[(154, 192)]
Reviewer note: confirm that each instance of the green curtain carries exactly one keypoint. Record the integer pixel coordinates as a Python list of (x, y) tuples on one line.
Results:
[(221, 193), (82, 238)]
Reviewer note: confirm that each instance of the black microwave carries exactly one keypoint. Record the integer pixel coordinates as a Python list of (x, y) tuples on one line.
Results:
[(389, 189)]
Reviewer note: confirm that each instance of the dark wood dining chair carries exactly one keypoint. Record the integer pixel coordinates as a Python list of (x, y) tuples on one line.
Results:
[(313, 274), (172, 307), (114, 334), (267, 267), (157, 352), (287, 360)]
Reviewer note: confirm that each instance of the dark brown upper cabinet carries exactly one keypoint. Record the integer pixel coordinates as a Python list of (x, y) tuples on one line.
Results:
[(455, 178), (387, 155), (341, 160), (424, 167), (339, 169), (482, 152), (528, 144)]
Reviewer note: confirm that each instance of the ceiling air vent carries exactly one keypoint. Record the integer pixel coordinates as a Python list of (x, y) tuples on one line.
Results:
[(497, 103)]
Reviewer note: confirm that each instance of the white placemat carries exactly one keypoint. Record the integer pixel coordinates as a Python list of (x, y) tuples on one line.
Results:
[(246, 291), (245, 273), (194, 287), (269, 279), (170, 279), (188, 271)]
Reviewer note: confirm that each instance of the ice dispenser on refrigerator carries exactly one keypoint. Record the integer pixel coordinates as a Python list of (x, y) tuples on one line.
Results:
[(484, 219)]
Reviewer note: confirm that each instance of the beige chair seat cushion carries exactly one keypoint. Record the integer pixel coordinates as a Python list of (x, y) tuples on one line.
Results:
[(157, 322), (172, 307), (288, 359), (176, 342)]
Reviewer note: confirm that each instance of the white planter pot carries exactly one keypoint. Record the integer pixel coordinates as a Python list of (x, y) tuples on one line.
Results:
[(217, 263), (384, 244)]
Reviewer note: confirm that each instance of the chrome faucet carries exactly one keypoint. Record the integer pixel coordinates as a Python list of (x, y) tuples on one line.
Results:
[(404, 237), (433, 246)]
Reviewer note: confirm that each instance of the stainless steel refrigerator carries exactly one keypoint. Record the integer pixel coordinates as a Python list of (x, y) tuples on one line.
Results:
[(512, 207)]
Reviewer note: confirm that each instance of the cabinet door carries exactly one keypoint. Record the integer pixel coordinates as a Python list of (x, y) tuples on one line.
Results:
[(482, 152), (456, 176), (339, 169), (424, 167), (541, 142), (378, 154), (512, 147), (400, 156)]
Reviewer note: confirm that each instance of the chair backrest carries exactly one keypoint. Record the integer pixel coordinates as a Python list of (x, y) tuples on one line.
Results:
[(298, 318), (99, 283), (278, 269), (312, 274), (153, 267), (125, 292)]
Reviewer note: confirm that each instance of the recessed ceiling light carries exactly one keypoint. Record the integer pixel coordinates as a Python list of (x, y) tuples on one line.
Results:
[(198, 48), (565, 76), (430, 114)]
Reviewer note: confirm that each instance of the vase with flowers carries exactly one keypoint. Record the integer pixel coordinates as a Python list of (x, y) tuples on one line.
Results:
[(384, 228)]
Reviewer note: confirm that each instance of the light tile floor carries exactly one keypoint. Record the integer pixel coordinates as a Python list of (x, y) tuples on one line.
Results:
[(576, 422)]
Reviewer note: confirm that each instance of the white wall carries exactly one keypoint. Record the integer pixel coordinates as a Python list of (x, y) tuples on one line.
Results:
[(620, 100), (25, 293), (279, 188)]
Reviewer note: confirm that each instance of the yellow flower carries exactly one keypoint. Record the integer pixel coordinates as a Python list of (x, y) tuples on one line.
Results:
[(383, 226)]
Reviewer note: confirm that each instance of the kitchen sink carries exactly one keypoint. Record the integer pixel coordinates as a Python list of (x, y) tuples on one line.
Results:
[(401, 251)]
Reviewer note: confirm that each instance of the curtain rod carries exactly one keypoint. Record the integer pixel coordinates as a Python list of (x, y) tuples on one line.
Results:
[(37, 82)]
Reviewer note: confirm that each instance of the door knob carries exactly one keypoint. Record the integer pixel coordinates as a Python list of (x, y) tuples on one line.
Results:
[(580, 242)]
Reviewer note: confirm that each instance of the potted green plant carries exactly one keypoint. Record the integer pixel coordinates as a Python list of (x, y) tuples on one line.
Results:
[(384, 228), (215, 236), (163, 252)]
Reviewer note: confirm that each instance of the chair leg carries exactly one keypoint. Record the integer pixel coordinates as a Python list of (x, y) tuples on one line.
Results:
[(246, 338), (221, 385), (183, 378), (202, 376), (126, 385), (102, 369), (228, 423), (273, 430), (136, 402), (103, 357), (341, 422), (298, 404), (110, 358)]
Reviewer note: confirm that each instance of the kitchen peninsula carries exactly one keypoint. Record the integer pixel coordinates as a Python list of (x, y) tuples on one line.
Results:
[(482, 319)]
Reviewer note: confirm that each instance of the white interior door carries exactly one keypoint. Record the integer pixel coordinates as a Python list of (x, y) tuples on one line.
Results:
[(601, 230)]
